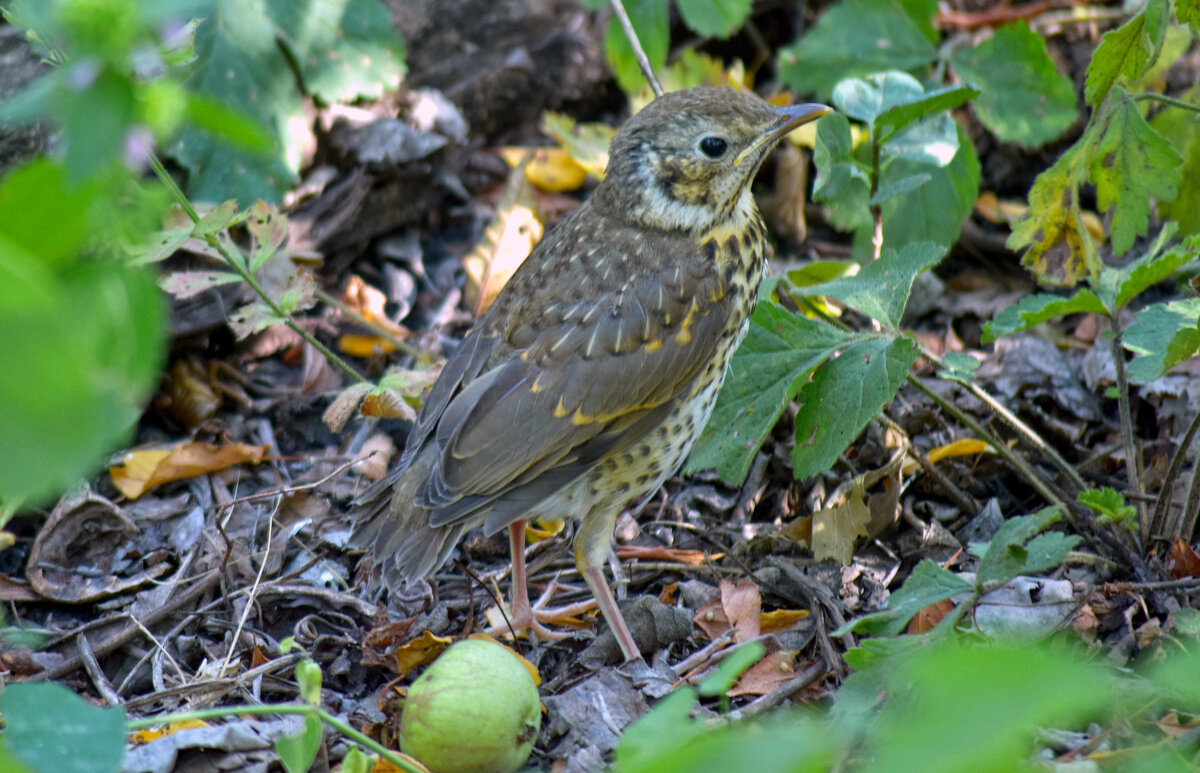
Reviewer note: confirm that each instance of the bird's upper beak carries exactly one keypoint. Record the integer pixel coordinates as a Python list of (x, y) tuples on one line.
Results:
[(788, 118)]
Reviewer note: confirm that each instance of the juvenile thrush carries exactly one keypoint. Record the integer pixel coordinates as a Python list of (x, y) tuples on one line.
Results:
[(586, 383)]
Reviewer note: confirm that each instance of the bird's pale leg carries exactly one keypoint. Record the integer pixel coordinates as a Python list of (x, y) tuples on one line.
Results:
[(592, 545), (526, 617)]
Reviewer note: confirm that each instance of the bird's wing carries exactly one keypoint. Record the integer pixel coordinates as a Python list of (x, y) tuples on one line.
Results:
[(593, 377)]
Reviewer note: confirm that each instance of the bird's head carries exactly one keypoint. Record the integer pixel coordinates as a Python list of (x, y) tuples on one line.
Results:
[(687, 159)]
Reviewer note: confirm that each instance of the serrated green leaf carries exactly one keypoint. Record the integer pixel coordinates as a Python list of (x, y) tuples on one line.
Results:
[(1060, 250), (1127, 51), (1110, 504), (1162, 336), (715, 18), (843, 395), (1144, 273), (1007, 555), (50, 728), (880, 290), (732, 666), (852, 39), (1033, 310), (841, 184), (934, 212), (1131, 165), (928, 584), (652, 24), (780, 352), (216, 219), (1046, 551), (1025, 99), (1180, 128), (298, 752)]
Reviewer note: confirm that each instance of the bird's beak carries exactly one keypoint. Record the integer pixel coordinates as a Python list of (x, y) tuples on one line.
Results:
[(788, 118)]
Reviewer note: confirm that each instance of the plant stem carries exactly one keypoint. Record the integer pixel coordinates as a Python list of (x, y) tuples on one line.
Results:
[(1132, 458), (1150, 96), (239, 266), (639, 53), (1161, 522)]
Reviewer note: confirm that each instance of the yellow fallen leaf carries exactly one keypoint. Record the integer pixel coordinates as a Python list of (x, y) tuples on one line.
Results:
[(419, 651), (142, 470), (153, 734)]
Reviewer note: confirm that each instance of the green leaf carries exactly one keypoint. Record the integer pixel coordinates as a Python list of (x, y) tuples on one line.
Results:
[(1150, 269), (1131, 165), (964, 706), (652, 24), (928, 584), (1033, 310), (960, 366), (735, 663), (1025, 98), (1110, 504), (1007, 554), (880, 290), (1188, 12), (346, 49), (1182, 130), (780, 351), (308, 678), (934, 212), (852, 39), (1126, 51), (218, 218), (843, 395), (667, 727), (298, 752), (715, 18), (97, 121), (929, 103), (356, 762), (1060, 250), (49, 728), (1162, 336), (841, 184)]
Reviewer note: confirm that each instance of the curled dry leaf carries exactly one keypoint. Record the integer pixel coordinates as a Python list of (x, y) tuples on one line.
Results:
[(421, 651), (739, 607), (75, 556)]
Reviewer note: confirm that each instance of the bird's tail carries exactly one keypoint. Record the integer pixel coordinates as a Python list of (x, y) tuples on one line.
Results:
[(397, 532)]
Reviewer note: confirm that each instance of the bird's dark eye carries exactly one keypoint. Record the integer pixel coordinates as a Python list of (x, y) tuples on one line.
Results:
[(713, 147)]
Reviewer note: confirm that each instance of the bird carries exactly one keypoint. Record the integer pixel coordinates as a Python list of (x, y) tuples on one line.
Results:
[(587, 381)]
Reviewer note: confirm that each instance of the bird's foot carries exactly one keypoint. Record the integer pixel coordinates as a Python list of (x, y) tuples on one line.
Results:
[(527, 619)]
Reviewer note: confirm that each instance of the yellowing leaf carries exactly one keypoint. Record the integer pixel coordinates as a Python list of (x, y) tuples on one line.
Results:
[(779, 620), (420, 651), (142, 470), (505, 244), (364, 346), (586, 143), (549, 169), (146, 736), (1060, 251), (1132, 165)]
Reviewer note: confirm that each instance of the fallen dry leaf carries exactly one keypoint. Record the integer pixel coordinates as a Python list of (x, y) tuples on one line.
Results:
[(928, 618), (739, 607), (780, 620), (1185, 561), (142, 470), (765, 675), (421, 651), (674, 555)]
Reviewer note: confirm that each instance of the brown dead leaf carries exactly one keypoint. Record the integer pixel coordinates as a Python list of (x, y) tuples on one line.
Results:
[(370, 303), (1174, 726), (928, 618), (1185, 561), (142, 470), (674, 555), (421, 651), (739, 607), (765, 675), (780, 620), (667, 596), (505, 243), (835, 529), (799, 530), (386, 404), (188, 394)]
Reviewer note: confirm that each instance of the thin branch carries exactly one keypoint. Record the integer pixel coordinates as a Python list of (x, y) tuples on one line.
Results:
[(638, 52)]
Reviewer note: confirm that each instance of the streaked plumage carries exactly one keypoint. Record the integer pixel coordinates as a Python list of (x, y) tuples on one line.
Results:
[(588, 380)]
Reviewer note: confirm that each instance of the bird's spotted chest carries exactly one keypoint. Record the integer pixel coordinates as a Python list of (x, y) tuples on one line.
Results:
[(640, 471)]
